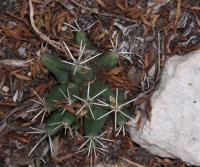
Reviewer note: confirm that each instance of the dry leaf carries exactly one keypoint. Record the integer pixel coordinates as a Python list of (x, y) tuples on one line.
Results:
[(178, 14), (22, 77), (22, 138), (117, 79)]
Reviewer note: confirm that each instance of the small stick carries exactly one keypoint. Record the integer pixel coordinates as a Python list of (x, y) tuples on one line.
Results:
[(13, 63), (13, 111), (16, 17), (55, 44)]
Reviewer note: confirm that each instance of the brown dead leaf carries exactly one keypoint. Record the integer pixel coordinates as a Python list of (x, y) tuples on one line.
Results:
[(33, 70), (121, 5), (41, 88), (37, 67), (134, 75), (107, 4), (37, 1), (7, 103), (24, 9), (147, 59), (21, 137), (135, 12), (63, 157), (178, 14), (43, 19), (197, 8), (47, 20), (59, 18), (142, 76), (70, 108), (145, 21), (16, 31), (117, 79), (101, 3), (2, 75), (22, 77), (148, 109), (98, 35), (154, 19), (138, 123)]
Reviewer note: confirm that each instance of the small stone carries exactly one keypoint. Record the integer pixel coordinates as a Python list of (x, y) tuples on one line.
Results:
[(29, 74), (22, 52), (64, 28), (5, 89)]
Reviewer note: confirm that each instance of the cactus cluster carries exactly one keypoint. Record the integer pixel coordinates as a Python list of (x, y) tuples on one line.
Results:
[(82, 101)]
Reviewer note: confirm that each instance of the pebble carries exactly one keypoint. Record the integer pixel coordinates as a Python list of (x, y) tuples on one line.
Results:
[(5, 89), (64, 28), (22, 52)]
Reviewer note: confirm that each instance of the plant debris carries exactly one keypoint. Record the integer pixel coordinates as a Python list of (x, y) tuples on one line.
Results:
[(142, 34)]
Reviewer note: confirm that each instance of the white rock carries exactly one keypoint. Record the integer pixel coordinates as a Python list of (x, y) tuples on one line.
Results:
[(174, 130)]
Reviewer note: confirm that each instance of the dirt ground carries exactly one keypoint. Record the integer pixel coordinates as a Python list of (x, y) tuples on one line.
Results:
[(151, 30)]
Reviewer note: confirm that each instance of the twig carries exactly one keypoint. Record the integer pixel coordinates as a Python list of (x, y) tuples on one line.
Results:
[(13, 63), (131, 162), (13, 111), (159, 59), (55, 44), (95, 11), (16, 17), (158, 66)]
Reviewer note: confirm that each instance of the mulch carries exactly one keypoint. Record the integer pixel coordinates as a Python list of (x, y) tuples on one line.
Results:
[(152, 31)]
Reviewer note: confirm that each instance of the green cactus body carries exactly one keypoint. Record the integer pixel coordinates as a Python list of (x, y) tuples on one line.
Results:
[(53, 60), (93, 127), (55, 95), (82, 74), (52, 123), (108, 59), (76, 126), (81, 36), (57, 67), (57, 121), (109, 93), (111, 97), (68, 117), (121, 119), (95, 87), (74, 89)]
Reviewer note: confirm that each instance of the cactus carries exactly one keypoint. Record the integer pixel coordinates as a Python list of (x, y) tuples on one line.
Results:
[(108, 59), (90, 96), (55, 95), (79, 68), (81, 36), (57, 121), (56, 66), (51, 125), (116, 106), (89, 101), (82, 74), (122, 119), (94, 127)]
